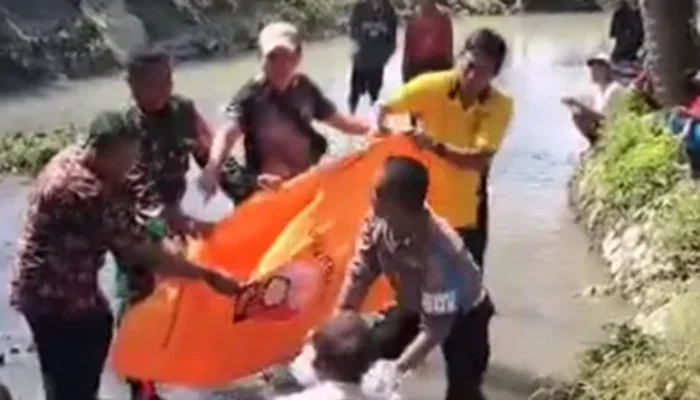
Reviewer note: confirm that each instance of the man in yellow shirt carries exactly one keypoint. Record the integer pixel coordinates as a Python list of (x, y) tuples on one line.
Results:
[(464, 119)]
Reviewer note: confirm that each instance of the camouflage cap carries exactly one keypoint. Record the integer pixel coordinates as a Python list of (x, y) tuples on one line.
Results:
[(107, 129)]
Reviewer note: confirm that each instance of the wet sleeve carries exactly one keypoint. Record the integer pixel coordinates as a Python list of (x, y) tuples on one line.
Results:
[(411, 97), (363, 270), (323, 106), (492, 128)]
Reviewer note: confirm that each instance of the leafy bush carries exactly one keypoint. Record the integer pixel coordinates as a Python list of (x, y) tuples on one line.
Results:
[(635, 163), (677, 222), (28, 152), (634, 366)]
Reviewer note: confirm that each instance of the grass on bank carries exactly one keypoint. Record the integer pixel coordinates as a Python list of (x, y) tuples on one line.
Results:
[(636, 162), (639, 173), (25, 153), (636, 366)]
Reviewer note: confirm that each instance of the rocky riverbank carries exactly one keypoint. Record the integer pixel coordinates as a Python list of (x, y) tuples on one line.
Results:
[(44, 40), (634, 197)]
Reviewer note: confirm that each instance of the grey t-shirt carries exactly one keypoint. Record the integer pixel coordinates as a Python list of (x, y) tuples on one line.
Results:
[(437, 278)]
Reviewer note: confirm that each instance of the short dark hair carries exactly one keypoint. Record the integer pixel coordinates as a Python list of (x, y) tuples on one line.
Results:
[(344, 346), (406, 180), (108, 129), (142, 58), (490, 42)]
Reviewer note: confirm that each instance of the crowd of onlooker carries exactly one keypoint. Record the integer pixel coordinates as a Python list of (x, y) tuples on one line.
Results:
[(625, 74)]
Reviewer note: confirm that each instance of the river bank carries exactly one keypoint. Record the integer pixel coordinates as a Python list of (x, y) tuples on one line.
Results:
[(46, 40), (633, 196), (538, 259)]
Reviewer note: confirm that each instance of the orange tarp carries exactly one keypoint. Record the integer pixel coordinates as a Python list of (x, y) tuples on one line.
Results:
[(184, 333)]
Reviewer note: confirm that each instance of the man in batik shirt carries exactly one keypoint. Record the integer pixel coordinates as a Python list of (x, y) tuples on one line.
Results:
[(80, 208)]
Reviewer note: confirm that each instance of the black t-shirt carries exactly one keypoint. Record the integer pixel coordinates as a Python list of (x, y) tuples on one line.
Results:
[(260, 110), (627, 29)]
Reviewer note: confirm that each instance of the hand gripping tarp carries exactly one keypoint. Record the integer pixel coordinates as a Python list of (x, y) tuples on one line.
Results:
[(189, 335)]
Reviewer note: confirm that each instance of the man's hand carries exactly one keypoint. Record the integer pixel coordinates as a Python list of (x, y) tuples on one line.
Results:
[(270, 181), (424, 142), (383, 379), (221, 283), (208, 182)]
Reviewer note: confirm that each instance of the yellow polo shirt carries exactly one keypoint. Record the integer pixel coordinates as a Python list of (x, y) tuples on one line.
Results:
[(482, 126)]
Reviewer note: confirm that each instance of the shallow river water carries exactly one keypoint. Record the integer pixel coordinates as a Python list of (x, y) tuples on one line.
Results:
[(538, 258)]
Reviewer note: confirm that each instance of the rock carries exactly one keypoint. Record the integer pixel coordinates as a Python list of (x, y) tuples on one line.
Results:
[(654, 323)]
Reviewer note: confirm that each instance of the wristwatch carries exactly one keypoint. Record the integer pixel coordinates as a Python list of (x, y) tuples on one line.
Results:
[(439, 148)]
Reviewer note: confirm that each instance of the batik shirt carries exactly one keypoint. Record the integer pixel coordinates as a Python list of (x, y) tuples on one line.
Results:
[(73, 220)]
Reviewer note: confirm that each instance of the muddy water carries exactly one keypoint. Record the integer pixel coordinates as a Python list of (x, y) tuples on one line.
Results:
[(538, 258)]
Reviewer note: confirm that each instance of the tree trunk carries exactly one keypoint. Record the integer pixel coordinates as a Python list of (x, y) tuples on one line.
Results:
[(671, 46)]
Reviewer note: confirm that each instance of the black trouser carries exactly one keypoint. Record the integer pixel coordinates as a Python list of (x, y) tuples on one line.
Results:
[(72, 353), (466, 350), (365, 80), (476, 239)]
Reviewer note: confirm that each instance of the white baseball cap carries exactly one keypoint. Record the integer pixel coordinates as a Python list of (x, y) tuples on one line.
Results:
[(599, 58), (278, 35)]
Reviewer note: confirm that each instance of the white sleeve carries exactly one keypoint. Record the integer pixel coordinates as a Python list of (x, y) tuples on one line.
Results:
[(612, 101)]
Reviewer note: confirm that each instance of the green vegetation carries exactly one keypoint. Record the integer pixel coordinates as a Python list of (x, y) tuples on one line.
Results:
[(634, 164), (636, 366), (27, 152), (638, 176)]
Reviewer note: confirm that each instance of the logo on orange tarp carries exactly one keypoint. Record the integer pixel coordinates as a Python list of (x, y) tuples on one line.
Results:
[(279, 296)]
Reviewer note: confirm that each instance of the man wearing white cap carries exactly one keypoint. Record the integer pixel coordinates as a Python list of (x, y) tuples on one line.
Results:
[(273, 112), (607, 97)]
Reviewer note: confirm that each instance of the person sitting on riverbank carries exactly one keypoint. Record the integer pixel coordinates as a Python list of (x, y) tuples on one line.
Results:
[(440, 298), (274, 112), (79, 209), (373, 26), (343, 352), (428, 41), (591, 112), (171, 129)]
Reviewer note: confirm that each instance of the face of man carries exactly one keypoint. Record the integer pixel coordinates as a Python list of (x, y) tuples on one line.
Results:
[(152, 86), (280, 65), (476, 70)]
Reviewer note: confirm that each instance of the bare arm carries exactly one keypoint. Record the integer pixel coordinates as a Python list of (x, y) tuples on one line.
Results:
[(489, 134), (348, 124), (222, 144)]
